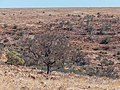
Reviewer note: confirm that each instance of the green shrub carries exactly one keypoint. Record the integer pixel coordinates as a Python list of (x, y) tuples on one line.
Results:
[(14, 58)]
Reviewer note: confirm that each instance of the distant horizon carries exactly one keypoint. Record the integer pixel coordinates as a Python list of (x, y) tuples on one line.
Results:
[(58, 4), (51, 7)]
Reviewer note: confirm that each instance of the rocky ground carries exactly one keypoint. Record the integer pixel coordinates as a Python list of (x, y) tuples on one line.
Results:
[(24, 78)]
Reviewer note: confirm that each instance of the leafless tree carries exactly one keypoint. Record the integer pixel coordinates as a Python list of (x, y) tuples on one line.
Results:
[(46, 49)]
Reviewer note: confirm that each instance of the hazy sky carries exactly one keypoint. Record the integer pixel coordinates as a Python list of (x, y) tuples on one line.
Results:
[(58, 3)]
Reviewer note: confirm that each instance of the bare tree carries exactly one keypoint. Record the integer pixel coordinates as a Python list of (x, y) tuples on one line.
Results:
[(46, 49)]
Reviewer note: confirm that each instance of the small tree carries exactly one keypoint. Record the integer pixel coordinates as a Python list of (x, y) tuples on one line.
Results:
[(47, 49)]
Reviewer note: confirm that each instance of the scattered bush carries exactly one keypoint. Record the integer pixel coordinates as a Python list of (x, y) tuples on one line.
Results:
[(49, 15), (105, 40), (5, 41), (89, 17), (107, 62), (118, 53), (115, 20), (14, 26), (2, 46), (103, 52), (43, 12), (3, 13), (106, 26), (70, 70), (66, 25), (100, 32), (118, 58), (79, 58), (98, 14), (89, 29), (99, 71), (105, 47)]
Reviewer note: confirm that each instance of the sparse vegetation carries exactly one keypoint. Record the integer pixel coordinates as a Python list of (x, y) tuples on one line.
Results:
[(99, 71), (106, 26), (79, 59), (58, 47), (106, 40), (107, 62)]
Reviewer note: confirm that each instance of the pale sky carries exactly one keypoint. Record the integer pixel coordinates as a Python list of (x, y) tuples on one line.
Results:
[(58, 3)]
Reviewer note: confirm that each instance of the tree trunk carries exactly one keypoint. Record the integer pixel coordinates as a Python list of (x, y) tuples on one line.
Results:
[(48, 69)]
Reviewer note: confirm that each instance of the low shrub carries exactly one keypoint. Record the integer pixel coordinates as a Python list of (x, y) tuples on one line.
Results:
[(107, 62), (106, 26), (102, 72), (70, 70), (118, 53), (105, 47), (14, 26), (105, 40)]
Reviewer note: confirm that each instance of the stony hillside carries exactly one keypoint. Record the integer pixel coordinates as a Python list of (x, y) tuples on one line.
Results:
[(93, 31)]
